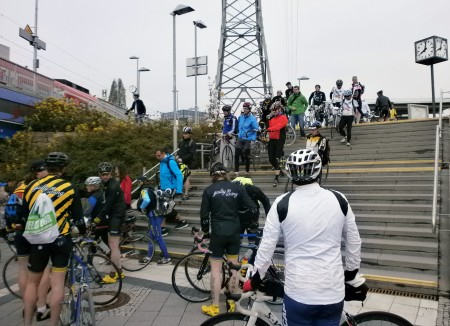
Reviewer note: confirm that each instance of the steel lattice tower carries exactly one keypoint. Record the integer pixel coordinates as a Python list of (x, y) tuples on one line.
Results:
[(243, 72)]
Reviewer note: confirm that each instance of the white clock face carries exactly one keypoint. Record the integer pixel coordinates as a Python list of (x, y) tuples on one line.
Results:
[(424, 49), (441, 48)]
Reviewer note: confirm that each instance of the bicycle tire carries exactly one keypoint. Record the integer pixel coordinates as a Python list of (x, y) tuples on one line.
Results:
[(324, 176), (67, 307), (290, 135), (136, 249), (189, 282), (10, 275), (98, 267), (227, 157), (225, 319), (86, 315), (379, 318)]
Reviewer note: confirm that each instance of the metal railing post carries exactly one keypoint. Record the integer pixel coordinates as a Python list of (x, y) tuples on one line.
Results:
[(434, 215)]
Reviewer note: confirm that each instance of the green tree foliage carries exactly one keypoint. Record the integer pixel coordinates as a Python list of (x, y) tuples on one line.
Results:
[(122, 103), (58, 115), (114, 93), (93, 138)]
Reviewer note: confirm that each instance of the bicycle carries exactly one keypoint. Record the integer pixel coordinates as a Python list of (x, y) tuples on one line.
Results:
[(191, 275), (134, 255), (310, 116), (258, 312), (258, 147), (290, 135), (215, 149), (227, 152), (78, 305)]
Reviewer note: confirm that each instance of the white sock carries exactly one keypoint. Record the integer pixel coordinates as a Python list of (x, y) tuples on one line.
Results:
[(42, 309)]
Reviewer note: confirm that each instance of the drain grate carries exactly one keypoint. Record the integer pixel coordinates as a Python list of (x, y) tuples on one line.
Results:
[(121, 300), (405, 294)]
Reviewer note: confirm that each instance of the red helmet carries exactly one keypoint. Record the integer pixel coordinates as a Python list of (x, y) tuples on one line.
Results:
[(247, 105)]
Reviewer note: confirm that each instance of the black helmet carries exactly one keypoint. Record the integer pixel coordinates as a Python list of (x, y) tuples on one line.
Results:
[(226, 108), (104, 167), (339, 82), (315, 125), (38, 166), (57, 159), (217, 168)]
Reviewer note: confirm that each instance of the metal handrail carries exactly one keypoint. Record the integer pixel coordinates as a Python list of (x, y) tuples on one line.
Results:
[(203, 149), (434, 214)]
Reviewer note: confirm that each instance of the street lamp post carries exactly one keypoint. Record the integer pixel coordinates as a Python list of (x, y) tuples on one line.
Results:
[(142, 69), (133, 57), (302, 78), (199, 24), (179, 10)]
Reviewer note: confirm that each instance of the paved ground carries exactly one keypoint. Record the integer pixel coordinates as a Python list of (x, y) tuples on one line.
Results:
[(153, 302)]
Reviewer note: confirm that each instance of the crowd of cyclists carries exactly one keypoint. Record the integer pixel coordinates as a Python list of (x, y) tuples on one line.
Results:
[(312, 234)]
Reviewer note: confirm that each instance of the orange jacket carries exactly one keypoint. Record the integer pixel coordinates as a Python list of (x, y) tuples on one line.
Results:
[(276, 126)]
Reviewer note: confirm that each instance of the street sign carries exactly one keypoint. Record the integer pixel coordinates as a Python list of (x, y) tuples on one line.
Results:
[(40, 44), (200, 61), (201, 70), (24, 34), (28, 29)]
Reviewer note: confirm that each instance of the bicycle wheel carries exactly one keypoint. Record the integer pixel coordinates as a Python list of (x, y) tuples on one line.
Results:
[(11, 276), (336, 123), (232, 318), (136, 252), (324, 176), (191, 277), (378, 318), (67, 308), (227, 157), (98, 267), (87, 311), (290, 135)]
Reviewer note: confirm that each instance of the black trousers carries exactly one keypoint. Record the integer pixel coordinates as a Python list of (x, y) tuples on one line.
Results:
[(346, 121), (275, 151)]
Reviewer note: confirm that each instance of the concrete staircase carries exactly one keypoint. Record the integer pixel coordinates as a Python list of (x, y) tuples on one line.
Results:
[(387, 176)]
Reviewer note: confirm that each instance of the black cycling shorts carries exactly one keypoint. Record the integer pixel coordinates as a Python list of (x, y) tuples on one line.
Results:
[(384, 113), (220, 245), (115, 226), (59, 252), (23, 247)]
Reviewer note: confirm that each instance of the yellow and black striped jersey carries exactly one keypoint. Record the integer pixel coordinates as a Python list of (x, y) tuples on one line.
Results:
[(64, 196)]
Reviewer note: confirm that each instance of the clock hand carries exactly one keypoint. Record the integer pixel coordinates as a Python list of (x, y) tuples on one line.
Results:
[(423, 50)]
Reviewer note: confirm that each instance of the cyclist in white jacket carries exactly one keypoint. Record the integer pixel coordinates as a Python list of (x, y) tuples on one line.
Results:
[(348, 107), (312, 221)]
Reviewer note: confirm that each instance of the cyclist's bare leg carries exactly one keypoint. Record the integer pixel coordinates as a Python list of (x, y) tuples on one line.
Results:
[(57, 283), (30, 296), (113, 242), (44, 286), (23, 272), (216, 279), (187, 185)]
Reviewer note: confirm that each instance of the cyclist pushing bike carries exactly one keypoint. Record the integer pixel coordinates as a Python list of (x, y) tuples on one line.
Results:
[(221, 203), (312, 221)]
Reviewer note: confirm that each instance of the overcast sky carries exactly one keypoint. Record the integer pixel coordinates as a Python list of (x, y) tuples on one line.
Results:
[(89, 42)]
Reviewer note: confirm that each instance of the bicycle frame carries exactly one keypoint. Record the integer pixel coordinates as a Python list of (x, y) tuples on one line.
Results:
[(75, 307), (259, 307)]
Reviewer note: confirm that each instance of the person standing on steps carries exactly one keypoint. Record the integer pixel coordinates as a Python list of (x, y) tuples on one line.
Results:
[(139, 106), (121, 174), (171, 178), (313, 222), (277, 137), (247, 133), (296, 107), (384, 105), (147, 203), (349, 106), (186, 152), (288, 92), (357, 92), (113, 214), (221, 203)]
